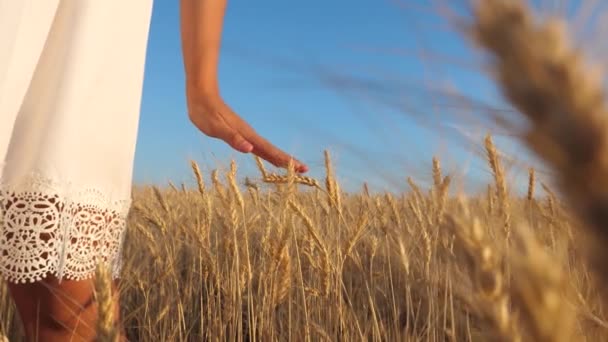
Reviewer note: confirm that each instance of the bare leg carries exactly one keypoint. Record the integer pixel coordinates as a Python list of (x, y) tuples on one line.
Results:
[(53, 311)]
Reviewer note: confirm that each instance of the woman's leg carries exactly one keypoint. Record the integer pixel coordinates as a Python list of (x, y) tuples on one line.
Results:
[(54, 311)]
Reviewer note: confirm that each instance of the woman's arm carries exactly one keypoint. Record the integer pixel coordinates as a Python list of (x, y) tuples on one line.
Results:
[(201, 30), (201, 27)]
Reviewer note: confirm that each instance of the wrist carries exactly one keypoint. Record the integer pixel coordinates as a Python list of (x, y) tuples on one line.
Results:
[(197, 89)]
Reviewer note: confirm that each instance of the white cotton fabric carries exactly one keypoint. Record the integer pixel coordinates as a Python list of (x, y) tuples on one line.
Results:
[(71, 75)]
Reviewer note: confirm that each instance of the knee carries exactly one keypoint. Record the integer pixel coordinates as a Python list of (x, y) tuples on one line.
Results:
[(64, 312), (56, 307)]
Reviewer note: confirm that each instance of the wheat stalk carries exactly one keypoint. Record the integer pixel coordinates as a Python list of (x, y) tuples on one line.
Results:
[(500, 182), (106, 329), (531, 182), (161, 199), (483, 262), (490, 198), (200, 182), (331, 185), (437, 178), (537, 291), (219, 187), (274, 178), (234, 186)]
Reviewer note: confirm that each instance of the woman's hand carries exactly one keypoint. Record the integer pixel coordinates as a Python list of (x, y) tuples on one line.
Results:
[(201, 30), (212, 116)]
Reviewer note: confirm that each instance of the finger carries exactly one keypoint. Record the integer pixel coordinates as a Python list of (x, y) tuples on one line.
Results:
[(231, 136), (265, 150), (262, 147), (238, 142)]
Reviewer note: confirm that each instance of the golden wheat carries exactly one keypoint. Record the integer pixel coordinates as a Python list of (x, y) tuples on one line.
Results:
[(106, 327)]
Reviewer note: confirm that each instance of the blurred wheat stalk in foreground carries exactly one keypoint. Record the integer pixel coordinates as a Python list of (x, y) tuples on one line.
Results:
[(547, 80)]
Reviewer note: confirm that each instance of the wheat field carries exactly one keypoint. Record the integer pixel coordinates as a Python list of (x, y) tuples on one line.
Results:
[(282, 257), (285, 258)]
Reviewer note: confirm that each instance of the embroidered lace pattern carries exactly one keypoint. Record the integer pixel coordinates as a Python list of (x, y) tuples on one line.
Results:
[(47, 229)]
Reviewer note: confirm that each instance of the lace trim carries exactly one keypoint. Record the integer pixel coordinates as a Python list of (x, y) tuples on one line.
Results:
[(48, 229)]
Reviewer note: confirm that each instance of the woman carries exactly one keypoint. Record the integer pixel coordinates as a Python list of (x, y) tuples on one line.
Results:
[(71, 74)]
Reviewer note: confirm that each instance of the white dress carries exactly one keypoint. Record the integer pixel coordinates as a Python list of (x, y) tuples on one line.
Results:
[(71, 75)]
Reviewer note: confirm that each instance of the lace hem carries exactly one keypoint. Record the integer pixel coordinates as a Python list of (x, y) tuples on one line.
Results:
[(46, 228)]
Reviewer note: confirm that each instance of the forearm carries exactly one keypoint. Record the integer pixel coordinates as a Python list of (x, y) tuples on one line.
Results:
[(201, 30)]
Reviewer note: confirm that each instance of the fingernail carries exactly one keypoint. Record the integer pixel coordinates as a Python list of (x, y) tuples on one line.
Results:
[(245, 146)]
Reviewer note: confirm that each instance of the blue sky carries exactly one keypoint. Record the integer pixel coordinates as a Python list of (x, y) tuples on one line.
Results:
[(351, 76)]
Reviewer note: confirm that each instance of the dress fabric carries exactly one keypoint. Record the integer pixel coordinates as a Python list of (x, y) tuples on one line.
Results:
[(71, 76)]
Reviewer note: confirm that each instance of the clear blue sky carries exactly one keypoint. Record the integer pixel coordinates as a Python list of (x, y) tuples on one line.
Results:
[(351, 76)]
